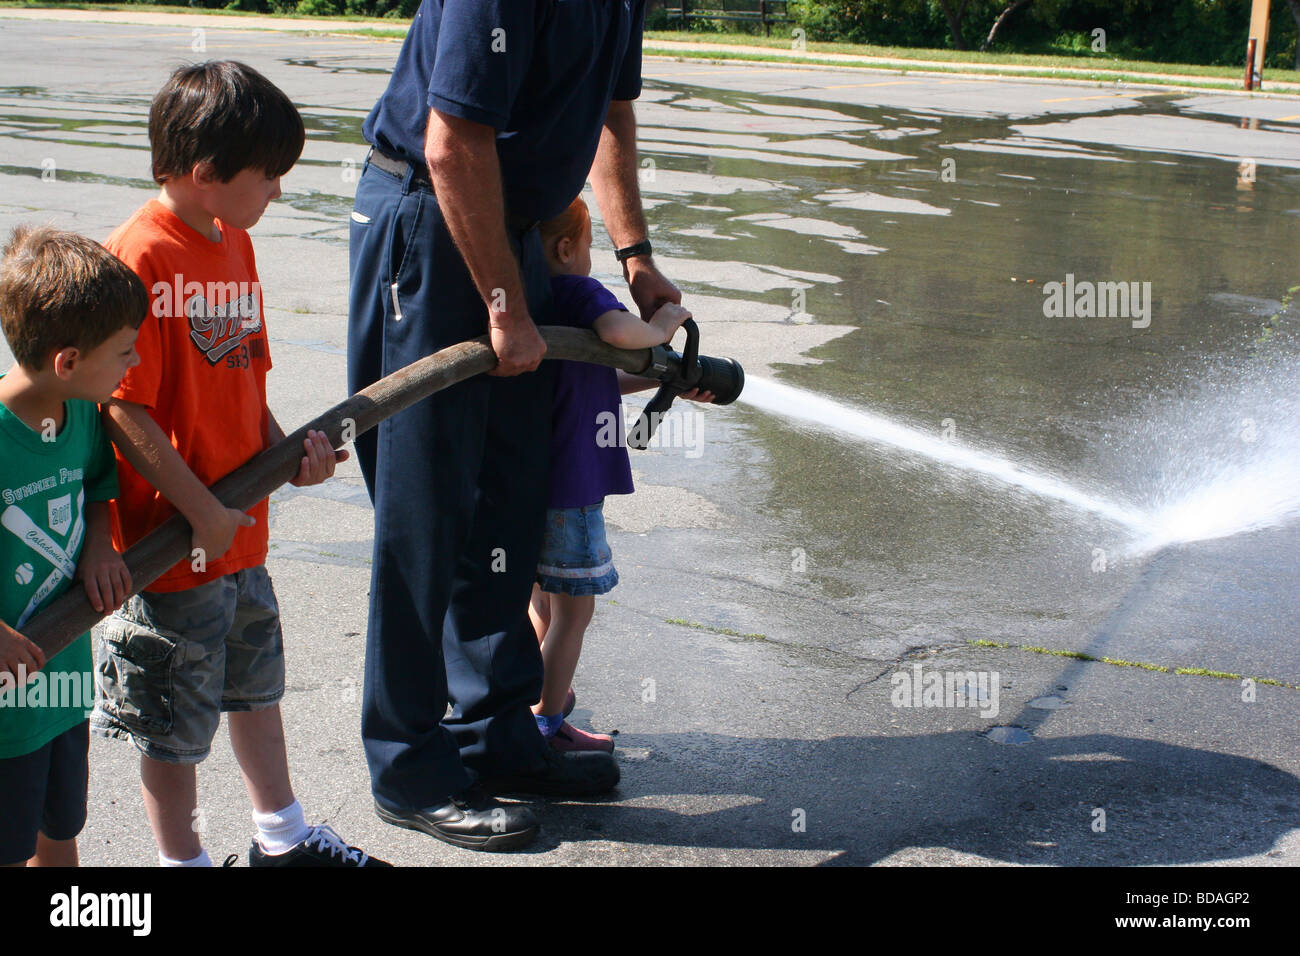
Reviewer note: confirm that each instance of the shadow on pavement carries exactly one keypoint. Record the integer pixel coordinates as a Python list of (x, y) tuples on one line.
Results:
[(864, 798)]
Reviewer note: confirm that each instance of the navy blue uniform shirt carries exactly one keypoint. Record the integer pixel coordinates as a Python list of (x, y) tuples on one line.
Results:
[(540, 72)]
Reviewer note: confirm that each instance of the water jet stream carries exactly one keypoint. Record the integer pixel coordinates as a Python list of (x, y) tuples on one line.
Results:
[(797, 403), (1213, 496)]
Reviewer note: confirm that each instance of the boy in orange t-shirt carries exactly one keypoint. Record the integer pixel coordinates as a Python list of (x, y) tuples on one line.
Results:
[(205, 637)]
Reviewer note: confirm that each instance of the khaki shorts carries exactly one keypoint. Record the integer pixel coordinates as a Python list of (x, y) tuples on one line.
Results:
[(167, 665)]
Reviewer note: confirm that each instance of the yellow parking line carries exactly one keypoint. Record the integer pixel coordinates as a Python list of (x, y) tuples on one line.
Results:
[(1076, 99), (1287, 119), (1105, 96), (687, 73), (114, 37), (858, 86), (224, 33), (230, 42)]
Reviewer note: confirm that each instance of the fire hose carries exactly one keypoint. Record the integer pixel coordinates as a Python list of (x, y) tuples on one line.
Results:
[(71, 614)]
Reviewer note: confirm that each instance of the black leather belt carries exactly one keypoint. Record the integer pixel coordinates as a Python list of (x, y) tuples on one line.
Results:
[(420, 175)]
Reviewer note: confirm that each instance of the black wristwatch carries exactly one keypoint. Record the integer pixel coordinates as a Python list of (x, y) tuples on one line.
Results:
[(641, 248)]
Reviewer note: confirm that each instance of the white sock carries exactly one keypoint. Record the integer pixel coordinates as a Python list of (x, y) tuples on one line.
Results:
[(281, 831), (201, 860)]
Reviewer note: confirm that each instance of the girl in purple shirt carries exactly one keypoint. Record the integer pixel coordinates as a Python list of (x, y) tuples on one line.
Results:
[(588, 461)]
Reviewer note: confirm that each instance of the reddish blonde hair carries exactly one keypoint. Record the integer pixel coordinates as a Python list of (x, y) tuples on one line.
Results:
[(571, 224)]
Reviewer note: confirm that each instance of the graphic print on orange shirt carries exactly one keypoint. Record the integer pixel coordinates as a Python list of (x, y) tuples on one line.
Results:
[(220, 314)]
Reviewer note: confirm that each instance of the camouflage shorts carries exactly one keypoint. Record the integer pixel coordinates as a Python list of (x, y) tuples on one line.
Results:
[(167, 665)]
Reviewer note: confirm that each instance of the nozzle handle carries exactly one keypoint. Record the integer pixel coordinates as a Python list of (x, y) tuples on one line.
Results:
[(644, 429), (690, 373), (691, 370)]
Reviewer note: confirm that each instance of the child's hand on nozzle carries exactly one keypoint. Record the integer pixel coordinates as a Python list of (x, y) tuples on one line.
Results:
[(318, 464), (668, 318), (17, 652), (695, 395)]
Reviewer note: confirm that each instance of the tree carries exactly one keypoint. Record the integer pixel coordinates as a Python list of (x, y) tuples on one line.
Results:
[(1012, 8), (954, 16), (1295, 12), (959, 12)]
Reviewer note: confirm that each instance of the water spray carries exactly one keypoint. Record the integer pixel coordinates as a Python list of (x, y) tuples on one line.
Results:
[(876, 429)]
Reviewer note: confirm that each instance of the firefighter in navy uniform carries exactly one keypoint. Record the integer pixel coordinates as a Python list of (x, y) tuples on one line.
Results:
[(496, 113)]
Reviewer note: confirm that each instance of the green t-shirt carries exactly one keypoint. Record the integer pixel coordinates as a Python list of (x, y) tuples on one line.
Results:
[(44, 489)]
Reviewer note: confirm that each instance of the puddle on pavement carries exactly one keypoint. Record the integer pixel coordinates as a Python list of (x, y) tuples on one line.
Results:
[(1008, 735), (1049, 702), (339, 64), (77, 176)]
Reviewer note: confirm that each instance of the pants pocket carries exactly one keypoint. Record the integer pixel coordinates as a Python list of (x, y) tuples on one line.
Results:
[(135, 671), (403, 243)]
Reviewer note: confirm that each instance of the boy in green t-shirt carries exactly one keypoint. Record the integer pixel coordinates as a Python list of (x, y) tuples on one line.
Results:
[(70, 312)]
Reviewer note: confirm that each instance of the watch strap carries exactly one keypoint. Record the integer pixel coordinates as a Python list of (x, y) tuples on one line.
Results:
[(641, 248)]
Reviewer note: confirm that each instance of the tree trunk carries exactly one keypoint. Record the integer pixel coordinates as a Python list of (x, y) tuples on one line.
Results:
[(1295, 12), (997, 24), (954, 20)]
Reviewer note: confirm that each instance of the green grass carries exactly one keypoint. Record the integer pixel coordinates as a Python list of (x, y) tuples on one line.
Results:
[(1120, 662), (1275, 320), (1055, 653), (174, 8), (1140, 665), (379, 33), (1205, 672), (1098, 76), (386, 28), (714, 630), (1039, 60), (1097, 68)]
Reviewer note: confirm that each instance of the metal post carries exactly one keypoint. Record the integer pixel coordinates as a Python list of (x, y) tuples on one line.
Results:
[(1258, 33)]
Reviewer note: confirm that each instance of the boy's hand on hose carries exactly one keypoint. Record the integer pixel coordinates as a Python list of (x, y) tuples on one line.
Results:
[(214, 533), (104, 575), (318, 461), (669, 318), (17, 651)]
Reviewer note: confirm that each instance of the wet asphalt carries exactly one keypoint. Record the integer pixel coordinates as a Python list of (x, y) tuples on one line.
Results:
[(884, 241)]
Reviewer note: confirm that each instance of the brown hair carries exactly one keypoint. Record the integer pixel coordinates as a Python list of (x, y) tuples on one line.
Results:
[(61, 290), (225, 113), (570, 224)]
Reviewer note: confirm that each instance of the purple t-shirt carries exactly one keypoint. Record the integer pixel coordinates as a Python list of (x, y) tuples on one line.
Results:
[(588, 458)]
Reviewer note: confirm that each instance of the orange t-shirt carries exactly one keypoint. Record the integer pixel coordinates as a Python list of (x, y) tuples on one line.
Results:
[(202, 374)]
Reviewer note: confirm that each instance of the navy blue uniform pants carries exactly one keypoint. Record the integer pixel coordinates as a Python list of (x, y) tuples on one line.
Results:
[(459, 484)]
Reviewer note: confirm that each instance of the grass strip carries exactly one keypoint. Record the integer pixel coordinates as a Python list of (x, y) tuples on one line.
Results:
[(1121, 662)]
